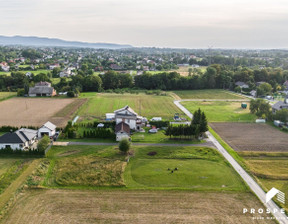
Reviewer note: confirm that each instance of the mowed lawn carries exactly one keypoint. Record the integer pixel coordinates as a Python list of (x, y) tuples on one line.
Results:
[(145, 105), (207, 94), (221, 111), (6, 95), (194, 168)]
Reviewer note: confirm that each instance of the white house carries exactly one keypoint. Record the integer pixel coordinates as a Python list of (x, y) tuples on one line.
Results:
[(23, 139), (47, 129), (126, 115)]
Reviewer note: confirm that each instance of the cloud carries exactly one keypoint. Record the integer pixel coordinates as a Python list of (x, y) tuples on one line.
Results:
[(180, 23)]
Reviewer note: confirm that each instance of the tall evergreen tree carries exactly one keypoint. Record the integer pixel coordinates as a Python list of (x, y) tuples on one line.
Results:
[(203, 127)]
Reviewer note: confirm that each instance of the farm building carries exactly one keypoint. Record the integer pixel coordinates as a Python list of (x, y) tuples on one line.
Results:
[(42, 89), (47, 129), (280, 105), (23, 139), (122, 130)]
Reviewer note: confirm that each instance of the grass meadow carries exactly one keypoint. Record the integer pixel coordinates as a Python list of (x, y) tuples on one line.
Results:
[(7, 95), (197, 168), (270, 169), (221, 111), (145, 105), (10, 169)]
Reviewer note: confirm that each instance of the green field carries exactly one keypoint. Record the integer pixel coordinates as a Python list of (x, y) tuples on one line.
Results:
[(159, 137), (145, 105), (7, 95), (198, 168), (207, 94), (221, 111), (35, 72)]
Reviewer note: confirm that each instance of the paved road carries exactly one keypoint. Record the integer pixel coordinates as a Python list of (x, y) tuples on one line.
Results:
[(282, 218), (215, 100)]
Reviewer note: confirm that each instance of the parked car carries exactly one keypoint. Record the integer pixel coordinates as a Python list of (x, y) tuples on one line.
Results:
[(153, 130)]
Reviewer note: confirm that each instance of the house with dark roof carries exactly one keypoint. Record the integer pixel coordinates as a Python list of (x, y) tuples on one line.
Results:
[(280, 105), (122, 130), (23, 139), (48, 129), (42, 89)]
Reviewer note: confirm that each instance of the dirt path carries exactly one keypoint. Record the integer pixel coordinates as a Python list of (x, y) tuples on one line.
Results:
[(16, 184), (207, 144)]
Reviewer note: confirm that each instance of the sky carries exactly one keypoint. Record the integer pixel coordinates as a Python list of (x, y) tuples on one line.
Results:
[(152, 23)]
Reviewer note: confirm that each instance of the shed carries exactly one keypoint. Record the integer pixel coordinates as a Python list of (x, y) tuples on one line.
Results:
[(47, 129), (122, 130)]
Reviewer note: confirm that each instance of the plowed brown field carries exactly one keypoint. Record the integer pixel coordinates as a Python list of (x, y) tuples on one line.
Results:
[(252, 137), (37, 111)]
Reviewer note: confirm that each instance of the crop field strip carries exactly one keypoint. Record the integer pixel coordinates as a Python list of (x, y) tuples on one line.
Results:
[(118, 206), (207, 94), (145, 105)]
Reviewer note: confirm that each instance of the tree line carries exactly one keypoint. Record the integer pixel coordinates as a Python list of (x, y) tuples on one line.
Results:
[(198, 127), (216, 76)]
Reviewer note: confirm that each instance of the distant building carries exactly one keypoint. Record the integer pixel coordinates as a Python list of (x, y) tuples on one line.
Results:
[(280, 105), (116, 67), (242, 85), (22, 139), (4, 66), (42, 89)]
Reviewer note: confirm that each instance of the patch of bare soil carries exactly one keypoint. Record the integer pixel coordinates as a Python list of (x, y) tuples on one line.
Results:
[(252, 137)]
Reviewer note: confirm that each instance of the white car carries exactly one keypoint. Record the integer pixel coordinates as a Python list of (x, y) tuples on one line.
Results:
[(153, 130)]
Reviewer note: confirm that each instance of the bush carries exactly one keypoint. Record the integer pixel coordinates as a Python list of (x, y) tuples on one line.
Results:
[(159, 124), (124, 145), (153, 153), (43, 144)]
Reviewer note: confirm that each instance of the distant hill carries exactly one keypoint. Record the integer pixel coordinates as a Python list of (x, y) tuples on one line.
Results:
[(53, 42)]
